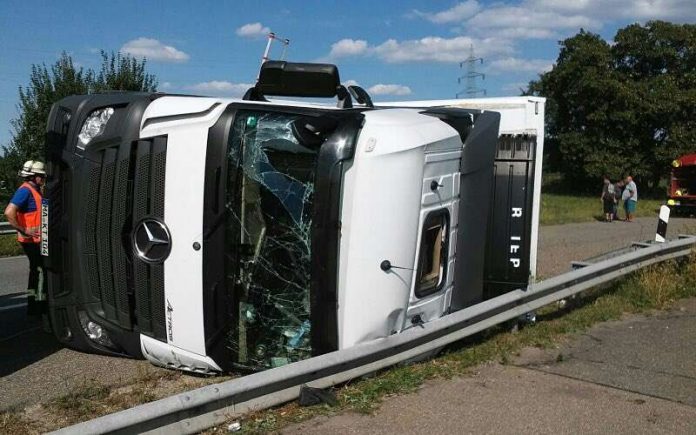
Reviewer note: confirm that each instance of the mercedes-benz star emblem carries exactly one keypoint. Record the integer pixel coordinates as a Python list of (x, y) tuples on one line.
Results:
[(151, 241)]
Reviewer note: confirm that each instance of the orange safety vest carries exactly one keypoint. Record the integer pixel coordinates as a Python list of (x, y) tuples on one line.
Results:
[(31, 220)]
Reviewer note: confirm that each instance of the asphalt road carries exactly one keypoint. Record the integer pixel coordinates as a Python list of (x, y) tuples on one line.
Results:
[(637, 375), (33, 367), (13, 274), (13, 300)]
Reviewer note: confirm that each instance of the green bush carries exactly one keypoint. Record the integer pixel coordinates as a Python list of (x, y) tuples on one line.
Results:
[(9, 246)]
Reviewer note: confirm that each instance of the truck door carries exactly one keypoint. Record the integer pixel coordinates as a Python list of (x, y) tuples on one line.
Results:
[(434, 263)]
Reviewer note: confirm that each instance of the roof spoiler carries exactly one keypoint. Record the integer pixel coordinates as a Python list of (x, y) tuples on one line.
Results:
[(312, 80)]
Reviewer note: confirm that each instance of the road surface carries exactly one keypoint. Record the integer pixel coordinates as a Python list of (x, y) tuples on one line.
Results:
[(637, 375), (13, 300)]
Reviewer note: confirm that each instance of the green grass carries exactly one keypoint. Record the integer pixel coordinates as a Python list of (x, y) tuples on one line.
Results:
[(84, 400), (9, 246), (562, 209), (653, 288)]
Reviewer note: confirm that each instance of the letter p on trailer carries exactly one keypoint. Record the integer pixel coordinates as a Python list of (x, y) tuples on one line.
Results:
[(207, 234)]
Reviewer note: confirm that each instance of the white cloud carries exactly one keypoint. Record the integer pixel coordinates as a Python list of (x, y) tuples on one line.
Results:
[(437, 49), (676, 10), (526, 22), (456, 13), (153, 49), (253, 30), (383, 89), (517, 87), (390, 89), (495, 30), (517, 33), (221, 87), (554, 19), (428, 49), (165, 85), (514, 64), (347, 47)]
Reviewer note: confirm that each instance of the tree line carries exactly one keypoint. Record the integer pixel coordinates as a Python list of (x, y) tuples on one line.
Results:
[(620, 107), (48, 85), (626, 106)]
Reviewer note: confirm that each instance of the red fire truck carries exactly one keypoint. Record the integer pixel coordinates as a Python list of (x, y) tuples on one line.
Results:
[(682, 187)]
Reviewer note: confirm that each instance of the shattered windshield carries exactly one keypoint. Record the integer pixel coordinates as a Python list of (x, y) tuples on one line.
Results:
[(269, 203)]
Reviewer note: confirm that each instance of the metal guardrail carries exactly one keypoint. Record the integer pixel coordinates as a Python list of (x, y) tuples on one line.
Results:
[(202, 408), (6, 228)]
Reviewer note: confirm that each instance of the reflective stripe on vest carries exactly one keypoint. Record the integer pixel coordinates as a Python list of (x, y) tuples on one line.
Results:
[(30, 221)]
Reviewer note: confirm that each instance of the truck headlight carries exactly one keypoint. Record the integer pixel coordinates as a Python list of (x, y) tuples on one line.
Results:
[(94, 125), (676, 163), (95, 331)]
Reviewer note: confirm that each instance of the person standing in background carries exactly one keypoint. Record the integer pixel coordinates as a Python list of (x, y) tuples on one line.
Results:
[(630, 198), (618, 190), (608, 199)]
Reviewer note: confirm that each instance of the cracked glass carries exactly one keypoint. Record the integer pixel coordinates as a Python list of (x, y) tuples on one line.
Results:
[(268, 238)]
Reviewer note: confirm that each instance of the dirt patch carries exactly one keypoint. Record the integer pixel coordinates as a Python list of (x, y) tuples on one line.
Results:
[(93, 399)]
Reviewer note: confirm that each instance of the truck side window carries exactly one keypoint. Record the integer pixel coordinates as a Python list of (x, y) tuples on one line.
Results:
[(432, 258)]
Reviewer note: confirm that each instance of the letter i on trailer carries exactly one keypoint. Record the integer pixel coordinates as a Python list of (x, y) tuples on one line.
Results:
[(206, 233)]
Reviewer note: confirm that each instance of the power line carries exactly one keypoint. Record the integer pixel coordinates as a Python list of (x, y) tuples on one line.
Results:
[(471, 75)]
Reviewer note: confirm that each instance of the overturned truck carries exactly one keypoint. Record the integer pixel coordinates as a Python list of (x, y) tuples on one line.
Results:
[(207, 234)]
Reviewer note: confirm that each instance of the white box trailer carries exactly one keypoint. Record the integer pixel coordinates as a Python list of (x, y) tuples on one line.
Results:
[(206, 233)]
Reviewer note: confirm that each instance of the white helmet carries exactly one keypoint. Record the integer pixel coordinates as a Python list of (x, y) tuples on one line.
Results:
[(31, 168)]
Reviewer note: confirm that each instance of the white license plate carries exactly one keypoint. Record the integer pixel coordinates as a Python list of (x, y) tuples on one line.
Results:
[(44, 227)]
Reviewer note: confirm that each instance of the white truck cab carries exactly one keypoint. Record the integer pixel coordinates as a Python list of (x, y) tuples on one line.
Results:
[(207, 234)]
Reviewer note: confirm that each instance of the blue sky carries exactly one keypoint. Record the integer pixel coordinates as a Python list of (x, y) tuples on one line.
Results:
[(396, 49)]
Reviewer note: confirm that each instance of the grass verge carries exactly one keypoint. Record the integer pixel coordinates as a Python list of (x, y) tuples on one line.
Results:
[(562, 209), (653, 288), (9, 246), (93, 399)]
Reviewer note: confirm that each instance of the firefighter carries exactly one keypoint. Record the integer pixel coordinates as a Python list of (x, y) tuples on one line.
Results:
[(24, 214)]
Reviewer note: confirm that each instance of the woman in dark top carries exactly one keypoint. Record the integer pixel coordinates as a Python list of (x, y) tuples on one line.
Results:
[(608, 199)]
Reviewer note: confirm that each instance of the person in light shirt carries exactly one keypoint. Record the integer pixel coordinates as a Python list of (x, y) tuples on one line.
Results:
[(630, 197)]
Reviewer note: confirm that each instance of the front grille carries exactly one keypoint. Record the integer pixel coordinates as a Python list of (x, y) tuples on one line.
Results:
[(120, 213), (148, 201), (90, 231), (126, 186), (103, 236)]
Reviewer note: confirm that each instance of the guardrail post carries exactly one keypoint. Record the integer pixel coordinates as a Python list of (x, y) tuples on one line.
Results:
[(662, 220)]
